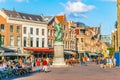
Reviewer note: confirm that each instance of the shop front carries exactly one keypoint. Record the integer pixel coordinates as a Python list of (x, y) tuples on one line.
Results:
[(41, 52)]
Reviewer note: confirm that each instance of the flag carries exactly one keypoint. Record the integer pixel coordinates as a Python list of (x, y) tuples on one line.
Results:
[(76, 31)]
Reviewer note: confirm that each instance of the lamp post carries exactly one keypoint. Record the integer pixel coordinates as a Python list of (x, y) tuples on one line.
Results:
[(3, 57), (18, 52)]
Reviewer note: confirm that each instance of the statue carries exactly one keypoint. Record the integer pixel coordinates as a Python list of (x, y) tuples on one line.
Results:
[(58, 32), (58, 60)]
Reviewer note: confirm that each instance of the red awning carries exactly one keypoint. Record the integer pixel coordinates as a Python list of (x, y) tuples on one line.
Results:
[(40, 49)]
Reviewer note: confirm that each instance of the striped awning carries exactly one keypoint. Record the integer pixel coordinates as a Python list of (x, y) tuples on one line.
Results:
[(69, 52), (40, 49)]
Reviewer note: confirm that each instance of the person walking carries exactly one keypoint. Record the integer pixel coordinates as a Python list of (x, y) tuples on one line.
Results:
[(104, 62), (114, 61), (45, 65), (85, 60), (101, 62), (38, 64)]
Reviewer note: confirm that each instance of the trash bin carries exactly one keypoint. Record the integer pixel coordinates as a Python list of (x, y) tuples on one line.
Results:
[(117, 57)]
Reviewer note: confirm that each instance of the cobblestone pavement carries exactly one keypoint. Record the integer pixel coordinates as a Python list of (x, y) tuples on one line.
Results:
[(76, 72)]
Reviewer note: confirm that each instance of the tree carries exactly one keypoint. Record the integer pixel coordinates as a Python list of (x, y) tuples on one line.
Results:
[(111, 51), (119, 49), (116, 24), (0, 40)]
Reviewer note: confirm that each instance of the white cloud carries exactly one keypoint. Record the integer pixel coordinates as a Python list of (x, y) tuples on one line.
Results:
[(76, 9), (22, 0), (61, 13), (78, 6), (2, 1), (110, 0)]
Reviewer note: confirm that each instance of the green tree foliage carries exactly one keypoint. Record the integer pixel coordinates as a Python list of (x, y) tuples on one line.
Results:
[(111, 51), (119, 49), (116, 24)]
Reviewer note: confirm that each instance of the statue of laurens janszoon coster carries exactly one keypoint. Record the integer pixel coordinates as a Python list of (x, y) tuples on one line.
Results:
[(58, 32)]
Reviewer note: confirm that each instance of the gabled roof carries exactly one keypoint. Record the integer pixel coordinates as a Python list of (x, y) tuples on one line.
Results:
[(50, 21), (60, 18), (107, 44), (25, 16), (12, 14)]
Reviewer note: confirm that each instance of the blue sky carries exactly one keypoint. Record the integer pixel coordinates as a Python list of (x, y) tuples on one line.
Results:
[(90, 12)]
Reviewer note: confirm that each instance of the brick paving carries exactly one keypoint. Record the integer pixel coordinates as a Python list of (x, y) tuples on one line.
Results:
[(76, 72)]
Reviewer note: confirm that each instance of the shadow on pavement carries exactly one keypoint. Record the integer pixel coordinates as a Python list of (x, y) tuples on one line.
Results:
[(24, 75)]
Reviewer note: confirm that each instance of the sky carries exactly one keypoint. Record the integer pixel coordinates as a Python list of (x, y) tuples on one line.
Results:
[(91, 12)]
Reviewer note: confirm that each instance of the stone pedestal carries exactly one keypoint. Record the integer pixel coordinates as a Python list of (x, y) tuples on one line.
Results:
[(58, 60)]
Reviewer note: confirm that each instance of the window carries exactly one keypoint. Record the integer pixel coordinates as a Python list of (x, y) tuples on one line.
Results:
[(2, 28), (11, 28), (82, 31), (50, 32), (11, 41), (37, 42), (25, 30), (31, 30), (3, 39), (63, 35), (18, 29), (24, 17), (81, 40), (64, 27), (43, 42), (25, 42), (18, 40), (43, 32), (38, 19), (49, 42), (37, 31), (31, 42), (66, 44)]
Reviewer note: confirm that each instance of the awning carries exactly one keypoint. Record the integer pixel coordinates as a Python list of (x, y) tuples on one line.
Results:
[(14, 54), (69, 52), (40, 49), (4, 49), (93, 54)]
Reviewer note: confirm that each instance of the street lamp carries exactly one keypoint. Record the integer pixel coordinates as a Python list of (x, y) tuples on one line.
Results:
[(3, 57), (18, 52)]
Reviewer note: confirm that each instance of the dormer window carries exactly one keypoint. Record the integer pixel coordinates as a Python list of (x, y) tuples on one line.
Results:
[(37, 19), (10, 15), (17, 16), (46, 19), (30, 18), (24, 17)]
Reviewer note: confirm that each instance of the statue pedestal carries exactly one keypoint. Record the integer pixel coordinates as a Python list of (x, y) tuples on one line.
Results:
[(58, 60)]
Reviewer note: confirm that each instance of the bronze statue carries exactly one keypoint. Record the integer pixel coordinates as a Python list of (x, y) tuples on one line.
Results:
[(58, 32)]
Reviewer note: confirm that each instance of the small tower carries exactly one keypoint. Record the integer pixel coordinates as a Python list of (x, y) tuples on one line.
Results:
[(118, 26)]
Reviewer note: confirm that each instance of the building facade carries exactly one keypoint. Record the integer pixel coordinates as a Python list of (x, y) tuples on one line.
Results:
[(118, 26), (106, 38), (88, 39), (116, 31), (68, 33), (24, 30), (11, 32)]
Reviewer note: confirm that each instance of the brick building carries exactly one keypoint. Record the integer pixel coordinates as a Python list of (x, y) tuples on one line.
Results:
[(21, 30), (68, 33)]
